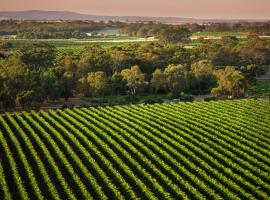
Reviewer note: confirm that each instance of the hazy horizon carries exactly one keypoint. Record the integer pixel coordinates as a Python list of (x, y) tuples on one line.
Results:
[(205, 9)]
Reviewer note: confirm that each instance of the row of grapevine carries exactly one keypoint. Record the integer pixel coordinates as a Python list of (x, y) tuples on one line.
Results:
[(213, 144), (167, 138), (208, 150)]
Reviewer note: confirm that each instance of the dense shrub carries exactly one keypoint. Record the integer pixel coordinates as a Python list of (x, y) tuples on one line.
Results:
[(210, 98), (186, 97), (153, 101)]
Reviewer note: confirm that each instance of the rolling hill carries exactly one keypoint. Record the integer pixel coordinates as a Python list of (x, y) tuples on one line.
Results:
[(63, 15)]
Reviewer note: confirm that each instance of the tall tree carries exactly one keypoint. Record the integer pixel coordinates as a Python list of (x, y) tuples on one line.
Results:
[(38, 56), (135, 79), (5, 46), (94, 59), (118, 83), (177, 78), (13, 80), (255, 51), (230, 82), (98, 83), (70, 65), (50, 85), (174, 34), (25, 98), (204, 73), (159, 81)]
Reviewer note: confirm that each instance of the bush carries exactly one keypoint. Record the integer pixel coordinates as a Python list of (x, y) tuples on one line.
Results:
[(210, 98), (64, 106), (98, 100), (215, 92), (132, 99), (171, 96), (186, 97), (198, 92), (153, 101), (24, 98)]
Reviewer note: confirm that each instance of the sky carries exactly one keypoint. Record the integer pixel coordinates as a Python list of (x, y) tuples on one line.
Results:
[(218, 9)]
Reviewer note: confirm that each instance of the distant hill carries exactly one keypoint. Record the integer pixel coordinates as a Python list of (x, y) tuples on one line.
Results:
[(63, 15)]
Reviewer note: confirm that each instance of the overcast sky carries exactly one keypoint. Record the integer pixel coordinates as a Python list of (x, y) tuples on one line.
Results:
[(251, 9)]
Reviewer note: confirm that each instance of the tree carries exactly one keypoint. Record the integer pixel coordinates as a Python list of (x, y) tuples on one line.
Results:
[(177, 78), (98, 83), (143, 32), (135, 79), (181, 55), (159, 81), (220, 52), (174, 34), (94, 59), (66, 73), (203, 72), (13, 80), (67, 86), (25, 98), (118, 83), (38, 56), (83, 86), (20, 85), (229, 41), (250, 72), (255, 51), (152, 56), (7, 95), (5, 49), (69, 64), (5, 46), (50, 85), (230, 81), (122, 57)]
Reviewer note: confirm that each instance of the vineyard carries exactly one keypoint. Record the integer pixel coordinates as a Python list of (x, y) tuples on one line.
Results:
[(75, 46), (208, 150)]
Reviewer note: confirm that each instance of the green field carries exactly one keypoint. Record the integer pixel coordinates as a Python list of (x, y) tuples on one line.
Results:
[(210, 150), (262, 88), (75, 46), (242, 37), (219, 34)]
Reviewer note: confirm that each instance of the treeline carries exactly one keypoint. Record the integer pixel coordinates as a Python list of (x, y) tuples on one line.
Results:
[(51, 35), (153, 29), (52, 29), (251, 28), (224, 67), (77, 29), (163, 32)]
